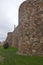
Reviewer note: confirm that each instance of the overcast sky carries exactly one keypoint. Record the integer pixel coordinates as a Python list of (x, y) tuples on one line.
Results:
[(8, 16)]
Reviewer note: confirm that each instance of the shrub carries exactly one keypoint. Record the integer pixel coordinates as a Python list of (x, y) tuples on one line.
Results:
[(6, 45)]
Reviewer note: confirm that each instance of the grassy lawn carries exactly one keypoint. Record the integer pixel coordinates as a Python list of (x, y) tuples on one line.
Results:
[(9, 57)]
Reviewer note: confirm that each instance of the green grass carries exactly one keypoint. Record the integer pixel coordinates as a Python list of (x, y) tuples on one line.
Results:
[(11, 58)]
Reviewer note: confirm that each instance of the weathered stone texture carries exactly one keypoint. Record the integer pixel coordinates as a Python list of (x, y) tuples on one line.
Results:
[(28, 36), (9, 38), (15, 37), (31, 21)]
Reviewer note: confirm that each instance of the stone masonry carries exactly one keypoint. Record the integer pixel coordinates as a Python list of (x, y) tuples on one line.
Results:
[(12, 37), (9, 38), (31, 21), (28, 36), (15, 37)]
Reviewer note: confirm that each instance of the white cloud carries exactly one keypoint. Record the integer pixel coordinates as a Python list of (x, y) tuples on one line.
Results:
[(8, 16)]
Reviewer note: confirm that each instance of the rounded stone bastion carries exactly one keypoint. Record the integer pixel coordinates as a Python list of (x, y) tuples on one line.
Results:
[(31, 27)]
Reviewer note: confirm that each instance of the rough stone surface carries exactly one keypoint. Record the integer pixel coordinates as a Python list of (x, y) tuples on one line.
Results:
[(28, 36), (12, 37), (31, 30), (9, 38), (15, 37)]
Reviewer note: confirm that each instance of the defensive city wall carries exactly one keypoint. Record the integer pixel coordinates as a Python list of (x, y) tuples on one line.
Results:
[(28, 35)]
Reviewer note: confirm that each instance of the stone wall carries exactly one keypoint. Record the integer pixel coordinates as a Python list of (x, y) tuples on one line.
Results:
[(9, 38), (15, 37), (31, 30), (28, 36)]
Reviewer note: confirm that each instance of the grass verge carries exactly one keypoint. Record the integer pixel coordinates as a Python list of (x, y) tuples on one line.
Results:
[(11, 58)]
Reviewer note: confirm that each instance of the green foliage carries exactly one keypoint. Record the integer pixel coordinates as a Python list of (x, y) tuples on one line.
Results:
[(11, 58)]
